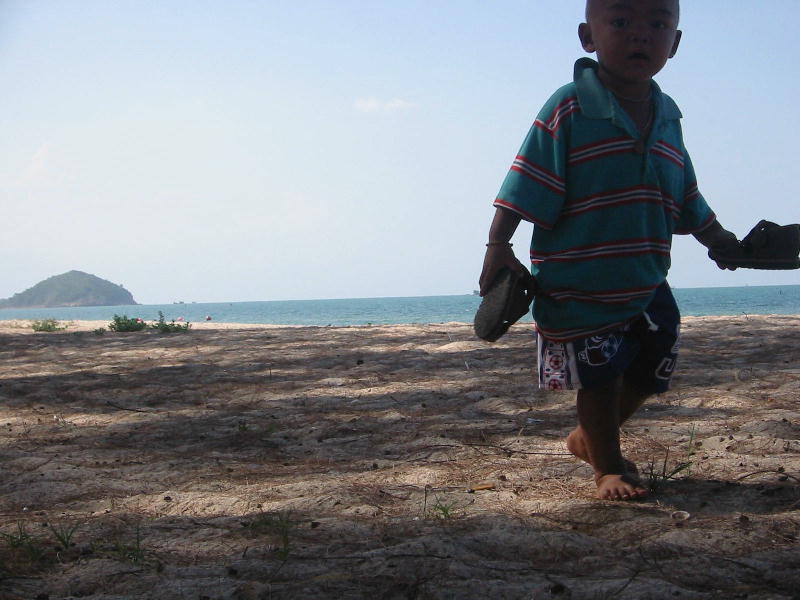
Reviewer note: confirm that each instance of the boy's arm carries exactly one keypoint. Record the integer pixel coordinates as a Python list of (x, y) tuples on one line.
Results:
[(498, 250), (716, 236)]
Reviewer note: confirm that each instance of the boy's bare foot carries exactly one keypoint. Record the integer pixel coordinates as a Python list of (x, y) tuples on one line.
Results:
[(577, 446), (619, 487), (596, 440)]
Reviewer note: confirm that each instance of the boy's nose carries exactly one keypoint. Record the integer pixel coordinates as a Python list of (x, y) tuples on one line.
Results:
[(640, 34)]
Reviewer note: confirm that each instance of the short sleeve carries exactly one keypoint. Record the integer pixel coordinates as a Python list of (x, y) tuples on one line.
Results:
[(695, 213), (535, 187)]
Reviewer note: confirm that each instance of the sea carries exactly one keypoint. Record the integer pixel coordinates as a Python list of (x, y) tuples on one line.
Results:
[(750, 300)]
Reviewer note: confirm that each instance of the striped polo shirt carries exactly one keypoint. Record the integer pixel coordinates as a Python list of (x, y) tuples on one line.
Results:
[(604, 209)]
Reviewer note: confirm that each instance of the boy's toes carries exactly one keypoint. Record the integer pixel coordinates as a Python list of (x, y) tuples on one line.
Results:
[(619, 487)]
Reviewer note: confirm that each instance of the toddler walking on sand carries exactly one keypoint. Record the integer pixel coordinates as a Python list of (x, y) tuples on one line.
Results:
[(605, 179)]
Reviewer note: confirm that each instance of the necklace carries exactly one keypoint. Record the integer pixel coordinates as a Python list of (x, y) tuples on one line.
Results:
[(635, 100), (644, 130), (648, 122)]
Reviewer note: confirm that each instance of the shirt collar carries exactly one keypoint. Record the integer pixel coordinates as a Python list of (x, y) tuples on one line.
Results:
[(598, 103)]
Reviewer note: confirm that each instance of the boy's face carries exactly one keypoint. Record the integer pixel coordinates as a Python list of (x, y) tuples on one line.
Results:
[(633, 38)]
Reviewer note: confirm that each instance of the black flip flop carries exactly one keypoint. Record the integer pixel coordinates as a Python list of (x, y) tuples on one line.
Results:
[(768, 246), (507, 300)]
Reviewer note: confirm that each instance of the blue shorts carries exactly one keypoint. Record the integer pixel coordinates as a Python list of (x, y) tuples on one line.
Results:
[(644, 351)]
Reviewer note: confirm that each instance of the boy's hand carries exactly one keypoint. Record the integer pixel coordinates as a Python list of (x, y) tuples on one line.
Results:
[(498, 250), (498, 255), (721, 240), (725, 243)]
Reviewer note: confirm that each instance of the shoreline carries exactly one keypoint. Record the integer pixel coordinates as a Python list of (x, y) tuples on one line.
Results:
[(83, 326), (764, 300), (80, 325)]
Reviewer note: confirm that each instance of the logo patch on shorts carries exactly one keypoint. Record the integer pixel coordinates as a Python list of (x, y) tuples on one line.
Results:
[(665, 369), (600, 349)]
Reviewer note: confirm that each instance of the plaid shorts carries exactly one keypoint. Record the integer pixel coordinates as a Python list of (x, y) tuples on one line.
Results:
[(644, 351)]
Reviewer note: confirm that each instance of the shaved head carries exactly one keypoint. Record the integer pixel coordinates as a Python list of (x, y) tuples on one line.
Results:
[(633, 40)]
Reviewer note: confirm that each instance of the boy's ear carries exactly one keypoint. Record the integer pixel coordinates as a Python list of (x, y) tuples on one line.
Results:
[(585, 35), (677, 42)]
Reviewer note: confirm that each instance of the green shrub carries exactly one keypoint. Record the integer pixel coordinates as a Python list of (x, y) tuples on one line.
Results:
[(172, 327), (123, 323), (47, 325)]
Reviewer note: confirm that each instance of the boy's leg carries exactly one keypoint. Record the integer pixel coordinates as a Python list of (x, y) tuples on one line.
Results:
[(646, 356), (606, 399), (631, 397), (599, 414)]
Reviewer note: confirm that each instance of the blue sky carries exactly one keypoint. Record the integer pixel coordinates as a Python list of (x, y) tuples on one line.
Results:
[(223, 151)]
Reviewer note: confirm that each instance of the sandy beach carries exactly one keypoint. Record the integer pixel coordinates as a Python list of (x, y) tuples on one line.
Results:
[(408, 461)]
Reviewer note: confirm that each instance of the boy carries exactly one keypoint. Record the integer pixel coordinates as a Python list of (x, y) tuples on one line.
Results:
[(604, 177)]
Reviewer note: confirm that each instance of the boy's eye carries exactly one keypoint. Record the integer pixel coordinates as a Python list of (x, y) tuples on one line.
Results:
[(619, 23), (659, 25)]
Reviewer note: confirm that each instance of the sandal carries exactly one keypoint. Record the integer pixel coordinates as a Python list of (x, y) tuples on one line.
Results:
[(504, 304), (767, 246)]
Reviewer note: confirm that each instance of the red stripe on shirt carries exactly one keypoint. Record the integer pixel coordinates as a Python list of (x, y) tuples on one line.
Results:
[(581, 154), (706, 223), (648, 194), (539, 174), (633, 247), (569, 335), (560, 112), (668, 156), (620, 296), (524, 214), (677, 151)]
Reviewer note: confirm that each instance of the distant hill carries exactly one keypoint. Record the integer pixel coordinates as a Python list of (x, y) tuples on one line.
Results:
[(74, 288)]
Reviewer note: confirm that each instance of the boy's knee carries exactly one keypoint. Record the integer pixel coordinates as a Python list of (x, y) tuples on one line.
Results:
[(643, 385), (606, 390), (634, 386)]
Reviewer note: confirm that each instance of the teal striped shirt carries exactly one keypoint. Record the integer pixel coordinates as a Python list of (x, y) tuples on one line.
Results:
[(604, 210)]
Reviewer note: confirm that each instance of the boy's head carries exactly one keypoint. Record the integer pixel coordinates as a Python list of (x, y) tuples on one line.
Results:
[(633, 38)]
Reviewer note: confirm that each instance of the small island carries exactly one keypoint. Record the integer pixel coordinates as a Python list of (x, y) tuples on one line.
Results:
[(74, 288)]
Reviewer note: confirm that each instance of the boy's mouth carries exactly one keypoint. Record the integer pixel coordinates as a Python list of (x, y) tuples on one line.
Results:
[(639, 56)]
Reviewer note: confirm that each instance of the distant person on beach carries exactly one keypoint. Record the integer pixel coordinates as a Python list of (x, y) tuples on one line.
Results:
[(605, 179)]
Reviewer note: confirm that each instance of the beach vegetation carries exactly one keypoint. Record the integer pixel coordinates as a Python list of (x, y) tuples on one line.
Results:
[(17, 539), (439, 510), (99, 331), (442, 510), (691, 449), (47, 326), (26, 552), (130, 551), (172, 327), (63, 533), (657, 475), (278, 525), (124, 323)]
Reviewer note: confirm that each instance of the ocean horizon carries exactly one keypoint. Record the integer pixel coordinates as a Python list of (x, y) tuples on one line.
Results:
[(748, 300)]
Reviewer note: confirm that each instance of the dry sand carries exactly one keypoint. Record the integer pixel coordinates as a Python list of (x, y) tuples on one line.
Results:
[(258, 462)]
